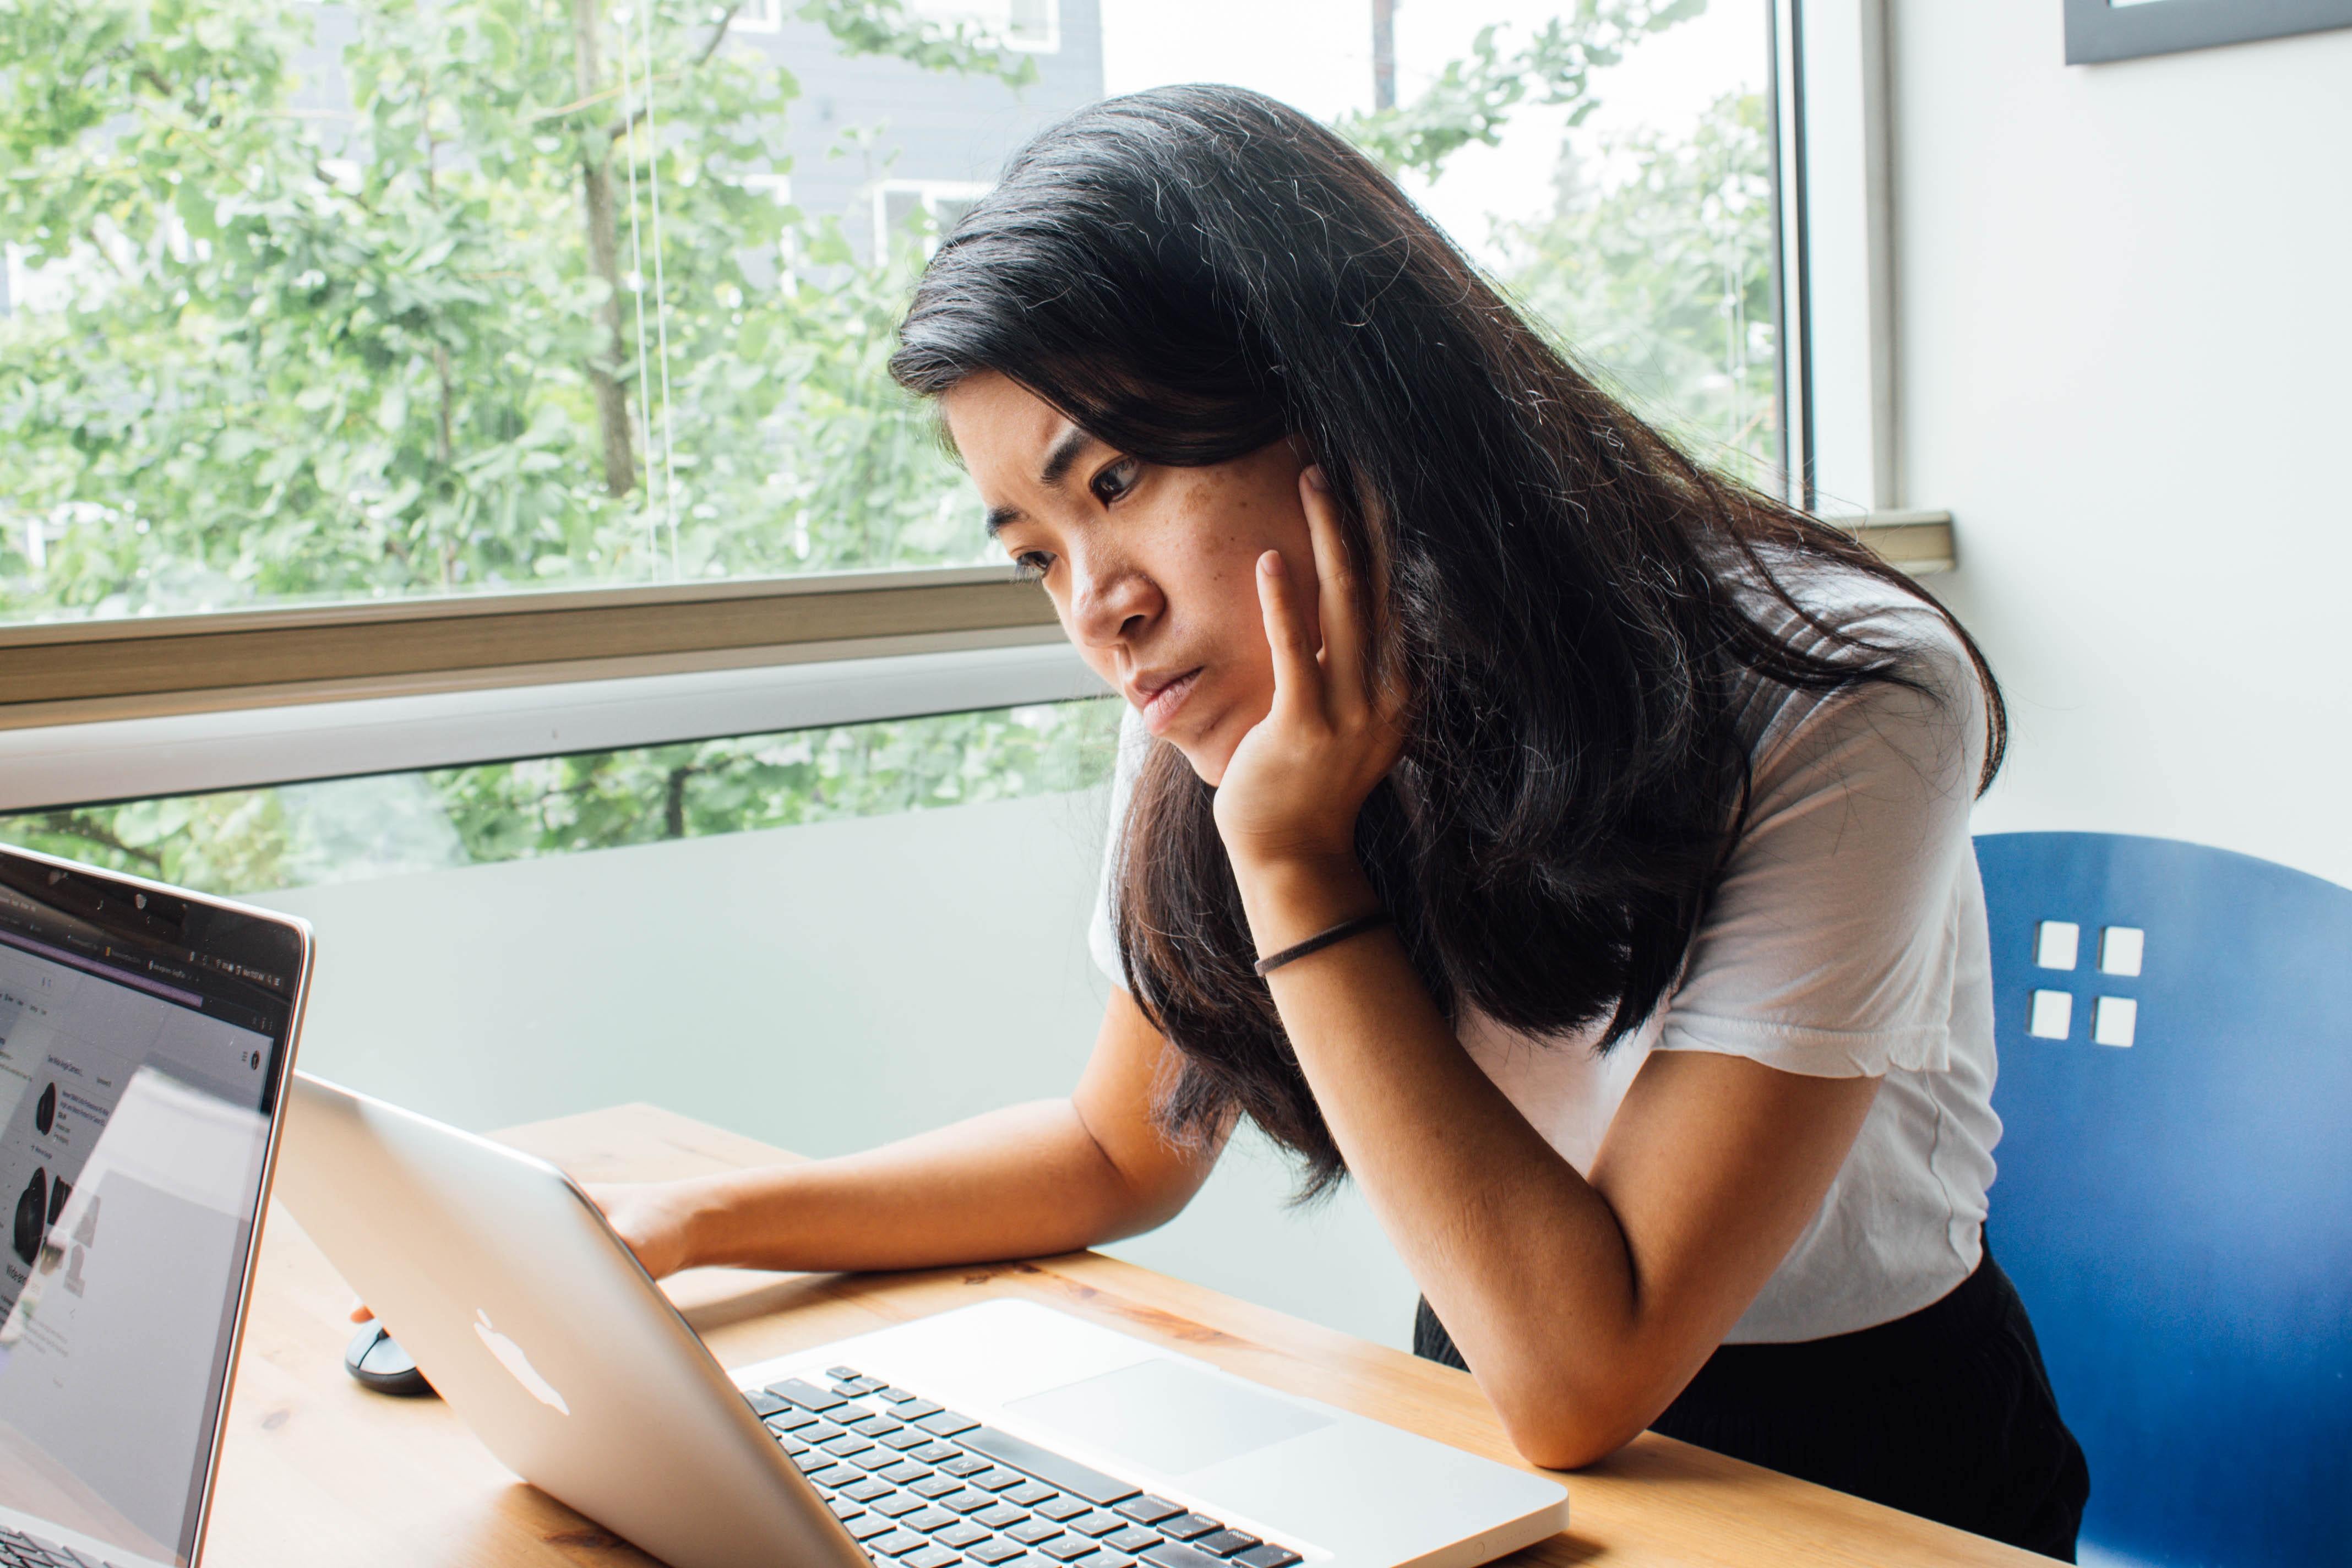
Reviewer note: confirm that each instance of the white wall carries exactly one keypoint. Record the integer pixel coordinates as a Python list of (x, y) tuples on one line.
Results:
[(2126, 321), (827, 988)]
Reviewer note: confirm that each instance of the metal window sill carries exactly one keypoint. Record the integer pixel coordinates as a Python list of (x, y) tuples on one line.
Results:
[(127, 710)]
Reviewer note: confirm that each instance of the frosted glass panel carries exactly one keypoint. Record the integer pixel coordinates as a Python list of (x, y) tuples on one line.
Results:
[(826, 987)]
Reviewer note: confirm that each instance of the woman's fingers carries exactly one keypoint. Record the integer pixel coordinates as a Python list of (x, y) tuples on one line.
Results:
[(1297, 678), (1296, 781)]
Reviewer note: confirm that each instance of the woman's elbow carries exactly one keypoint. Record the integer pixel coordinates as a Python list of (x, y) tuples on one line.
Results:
[(1568, 1434), (1573, 1449)]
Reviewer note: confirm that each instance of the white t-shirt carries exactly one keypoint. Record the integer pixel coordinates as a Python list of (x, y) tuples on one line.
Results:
[(1846, 937)]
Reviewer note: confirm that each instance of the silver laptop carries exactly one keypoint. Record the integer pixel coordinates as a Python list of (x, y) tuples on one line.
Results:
[(146, 1039), (1004, 1434)]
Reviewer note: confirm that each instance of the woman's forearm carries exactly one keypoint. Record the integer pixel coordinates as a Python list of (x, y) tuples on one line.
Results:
[(1022, 1181), (1584, 1306), (1025, 1182), (1519, 1255)]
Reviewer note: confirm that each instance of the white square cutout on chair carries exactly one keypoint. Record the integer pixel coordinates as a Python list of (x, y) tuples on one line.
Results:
[(2120, 948), (2055, 944), (2052, 1017), (2113, 1020)]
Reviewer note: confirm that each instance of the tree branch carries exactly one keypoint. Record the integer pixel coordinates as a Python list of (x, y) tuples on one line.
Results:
[(356, 199), (717, 35)]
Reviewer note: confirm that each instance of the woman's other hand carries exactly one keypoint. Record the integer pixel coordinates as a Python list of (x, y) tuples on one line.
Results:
[(653, 1217), (1292, 792)]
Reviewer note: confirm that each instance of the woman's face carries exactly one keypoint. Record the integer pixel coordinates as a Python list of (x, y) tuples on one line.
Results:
[(1153, 569)]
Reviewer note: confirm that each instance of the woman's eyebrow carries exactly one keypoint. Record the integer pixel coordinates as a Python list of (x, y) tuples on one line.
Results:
[(1064, 452), (1059, 457)]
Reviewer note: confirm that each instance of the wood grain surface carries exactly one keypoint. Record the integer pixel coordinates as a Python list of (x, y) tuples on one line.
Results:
[(318, 1472)]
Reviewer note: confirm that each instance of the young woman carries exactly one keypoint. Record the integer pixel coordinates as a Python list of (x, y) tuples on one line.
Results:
[(1563, 842)]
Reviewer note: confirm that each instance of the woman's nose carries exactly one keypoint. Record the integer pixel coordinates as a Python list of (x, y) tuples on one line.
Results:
[(1111, 605)]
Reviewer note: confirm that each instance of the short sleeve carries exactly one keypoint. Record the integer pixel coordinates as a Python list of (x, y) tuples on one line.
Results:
[(1102, 932), (1832, 945)]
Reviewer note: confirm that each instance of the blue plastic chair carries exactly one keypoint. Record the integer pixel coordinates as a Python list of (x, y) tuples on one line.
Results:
[(2177, 1211)]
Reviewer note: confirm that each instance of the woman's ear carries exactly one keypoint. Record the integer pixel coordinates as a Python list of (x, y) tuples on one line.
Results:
[(1371, 536)]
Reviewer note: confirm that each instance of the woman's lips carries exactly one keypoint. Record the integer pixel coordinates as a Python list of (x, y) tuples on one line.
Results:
[(1160, 706)]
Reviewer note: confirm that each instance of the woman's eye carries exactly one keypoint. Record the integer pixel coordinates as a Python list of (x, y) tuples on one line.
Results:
[(1031, 566), (1115, 482)]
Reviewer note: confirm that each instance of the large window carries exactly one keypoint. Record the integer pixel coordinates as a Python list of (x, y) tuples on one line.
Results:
[(375, 299)]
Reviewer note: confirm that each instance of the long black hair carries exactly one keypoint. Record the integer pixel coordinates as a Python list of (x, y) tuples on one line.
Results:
[(1191, 273)]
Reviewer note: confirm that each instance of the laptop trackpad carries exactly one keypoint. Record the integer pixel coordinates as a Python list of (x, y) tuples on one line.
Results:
[(1167, 1416)]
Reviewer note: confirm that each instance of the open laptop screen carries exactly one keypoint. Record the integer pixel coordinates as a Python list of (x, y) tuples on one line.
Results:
[(142, 1042)]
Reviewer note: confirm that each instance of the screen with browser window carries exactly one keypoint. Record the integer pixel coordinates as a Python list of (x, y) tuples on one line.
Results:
[(141, 1044)]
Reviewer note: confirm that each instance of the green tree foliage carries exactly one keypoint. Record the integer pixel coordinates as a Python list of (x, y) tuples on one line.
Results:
[(312, 353), (1473, 99), (1654, 271)]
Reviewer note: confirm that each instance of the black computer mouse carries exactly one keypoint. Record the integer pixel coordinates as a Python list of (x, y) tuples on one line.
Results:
[(376, 1358)]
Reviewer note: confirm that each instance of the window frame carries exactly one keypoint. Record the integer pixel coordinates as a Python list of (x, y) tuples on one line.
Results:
[(258, 745), (70, 671), (1048, 42), (762, 17), (1835, 280), (928, 195)]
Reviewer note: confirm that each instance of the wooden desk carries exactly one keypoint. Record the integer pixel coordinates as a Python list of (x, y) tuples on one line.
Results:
[(320, 1472)]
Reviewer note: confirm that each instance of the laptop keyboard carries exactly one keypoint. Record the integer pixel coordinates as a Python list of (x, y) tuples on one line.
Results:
[(919, 1485), (18, 1550)]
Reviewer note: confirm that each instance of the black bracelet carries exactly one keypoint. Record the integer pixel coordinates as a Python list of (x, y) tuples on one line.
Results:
[(1321, 940)]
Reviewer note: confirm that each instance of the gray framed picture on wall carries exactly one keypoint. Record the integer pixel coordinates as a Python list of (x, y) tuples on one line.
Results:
[(2100, 30)]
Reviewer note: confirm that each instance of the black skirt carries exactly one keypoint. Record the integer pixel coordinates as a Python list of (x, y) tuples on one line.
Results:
[(1946, 1414)]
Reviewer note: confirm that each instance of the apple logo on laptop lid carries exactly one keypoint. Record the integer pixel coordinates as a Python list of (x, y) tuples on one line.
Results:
[(511, 1356)]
